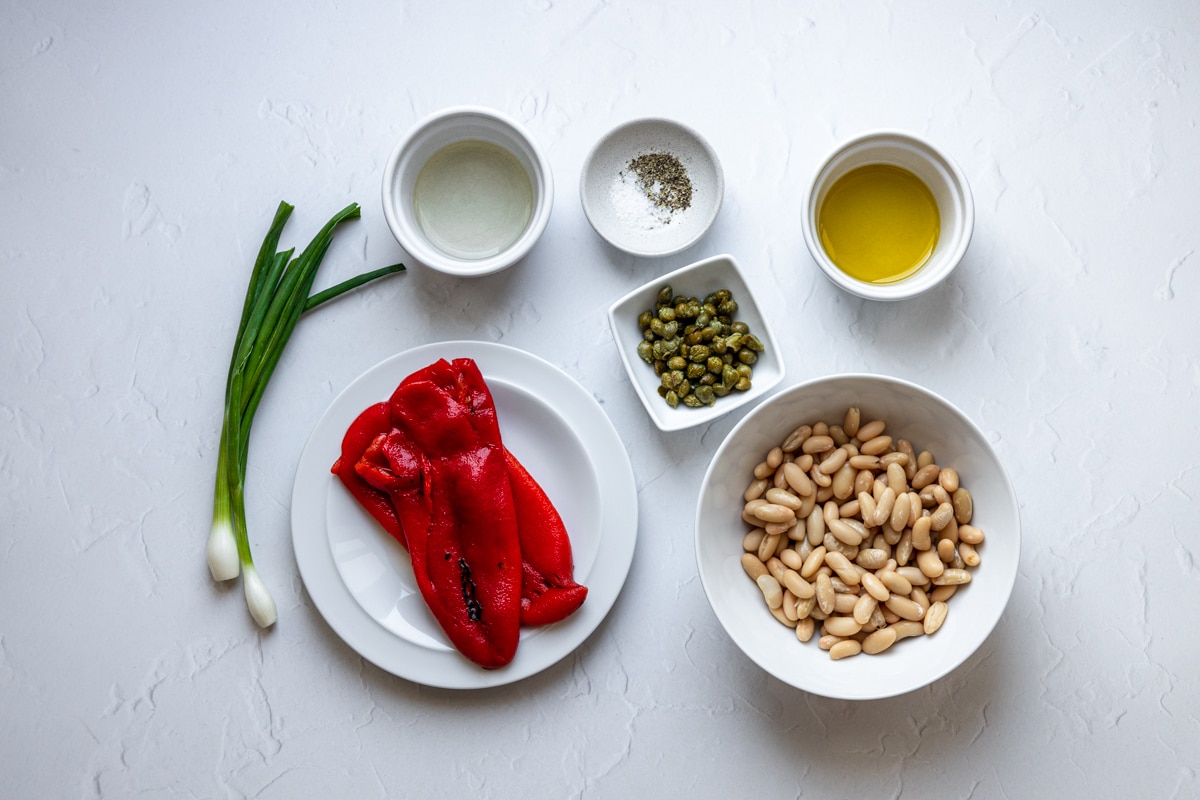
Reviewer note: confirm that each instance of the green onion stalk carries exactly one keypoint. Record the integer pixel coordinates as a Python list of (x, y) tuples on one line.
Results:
[(277, 295)]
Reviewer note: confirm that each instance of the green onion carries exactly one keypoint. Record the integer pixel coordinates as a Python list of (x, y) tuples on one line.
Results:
[(277, 295)]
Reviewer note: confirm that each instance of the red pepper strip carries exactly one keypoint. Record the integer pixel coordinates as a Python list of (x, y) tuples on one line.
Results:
[(370, 494), (549, 592), (466, 553)]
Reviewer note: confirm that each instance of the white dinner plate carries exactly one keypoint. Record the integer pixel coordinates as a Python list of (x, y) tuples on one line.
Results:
[(361, 579)]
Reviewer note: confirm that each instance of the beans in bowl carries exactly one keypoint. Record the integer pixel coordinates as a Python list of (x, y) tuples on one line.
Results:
[(856, 537)]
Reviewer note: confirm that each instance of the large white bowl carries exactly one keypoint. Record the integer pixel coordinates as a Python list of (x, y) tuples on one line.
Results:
[(930, 423)]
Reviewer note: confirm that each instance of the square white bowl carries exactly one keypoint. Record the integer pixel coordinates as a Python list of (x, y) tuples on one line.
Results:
[(929, 422), (694, 280)]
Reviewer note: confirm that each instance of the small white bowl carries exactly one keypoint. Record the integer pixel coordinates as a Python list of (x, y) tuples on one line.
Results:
[(695, 280), (938, 171), (439, 130), (628, 220), (930, 423)]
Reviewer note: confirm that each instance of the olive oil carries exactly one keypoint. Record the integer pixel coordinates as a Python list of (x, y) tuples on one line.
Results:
[(879, 223), (473, 199)]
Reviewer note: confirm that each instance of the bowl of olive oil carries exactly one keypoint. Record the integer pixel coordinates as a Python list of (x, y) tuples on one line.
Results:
[(888, 216), (467, 191)]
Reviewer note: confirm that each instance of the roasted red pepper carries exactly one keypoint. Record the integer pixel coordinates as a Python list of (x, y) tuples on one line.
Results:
[(429, 465), (549, 592), (457, 511), (372, 496)]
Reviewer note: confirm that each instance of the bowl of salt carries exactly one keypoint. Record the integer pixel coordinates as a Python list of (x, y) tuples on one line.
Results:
[(652, 187)]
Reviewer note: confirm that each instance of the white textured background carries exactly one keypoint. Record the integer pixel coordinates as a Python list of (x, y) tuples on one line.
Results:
[(144, 147)]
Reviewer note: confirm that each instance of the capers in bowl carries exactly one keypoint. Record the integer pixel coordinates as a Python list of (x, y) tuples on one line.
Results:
[(697, 348)]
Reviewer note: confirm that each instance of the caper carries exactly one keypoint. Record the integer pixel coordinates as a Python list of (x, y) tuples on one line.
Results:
[(698, 351)]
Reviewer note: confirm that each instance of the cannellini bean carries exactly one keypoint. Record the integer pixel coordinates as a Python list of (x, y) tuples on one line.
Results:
[(797, 585), (970, 534), (906, 629), (948, 478), (778, 614), (775, 457), (879, 641), (817, 444), (845, 532), (752, 540), (941, 516), (773, 512), (894, 581), (970, 556), (841, 626), (864, 609), (828, 640), (871, 558), (794, 439), (943, 593), (963, 505), (862, 462), (934, 617), (782, 497), (775, 568), (791, 558), (877, 446), (929, 563), (833, 462), (870, 430), (756, 489), (844, 569), (922, 532), (896, 478), (883, 507), (952, 577), (900, 509), (845, 649), (771, 590), (797, 479), (825, 593), (913, 575), (925, 476), (813, 563), (875, 587), (946, 551), (805, 628), (843, 482), (766, 548), (753, 566), (851, 421), (904, 608)]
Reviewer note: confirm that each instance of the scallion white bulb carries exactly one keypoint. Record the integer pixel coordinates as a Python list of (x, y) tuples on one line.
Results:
[(222, 551), (258, 599)]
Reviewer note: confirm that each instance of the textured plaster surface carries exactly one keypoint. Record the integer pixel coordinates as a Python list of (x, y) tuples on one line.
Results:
[(143, 148)]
